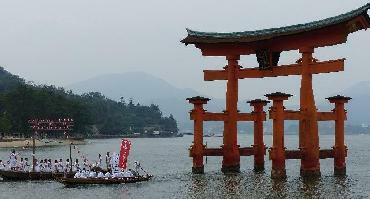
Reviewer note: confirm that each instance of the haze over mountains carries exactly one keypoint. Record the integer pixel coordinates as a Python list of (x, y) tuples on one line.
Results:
[(359, 107), (146, 89)]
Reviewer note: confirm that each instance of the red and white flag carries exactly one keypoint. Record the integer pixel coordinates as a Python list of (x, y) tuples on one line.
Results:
[(124, 152)]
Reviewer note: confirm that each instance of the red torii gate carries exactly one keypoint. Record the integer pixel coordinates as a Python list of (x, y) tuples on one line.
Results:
[(267, 45)]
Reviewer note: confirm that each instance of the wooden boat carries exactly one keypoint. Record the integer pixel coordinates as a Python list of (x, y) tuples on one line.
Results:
[(97, 181), (23, 176)]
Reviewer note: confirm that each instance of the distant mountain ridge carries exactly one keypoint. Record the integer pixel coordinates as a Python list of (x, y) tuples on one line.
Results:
[(127, 85), (171, 100), (144, 89)]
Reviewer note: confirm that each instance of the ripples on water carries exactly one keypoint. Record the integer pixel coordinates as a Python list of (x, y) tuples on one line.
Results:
[(168, 161)]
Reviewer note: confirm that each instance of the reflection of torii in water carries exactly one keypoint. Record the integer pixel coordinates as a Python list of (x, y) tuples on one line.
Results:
[(267, 45)]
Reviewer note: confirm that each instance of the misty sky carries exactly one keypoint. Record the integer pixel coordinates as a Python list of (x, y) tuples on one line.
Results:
[(66, 41)]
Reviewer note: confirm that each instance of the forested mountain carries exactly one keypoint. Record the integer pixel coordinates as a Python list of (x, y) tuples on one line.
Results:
[(92, 112), (144, 88)]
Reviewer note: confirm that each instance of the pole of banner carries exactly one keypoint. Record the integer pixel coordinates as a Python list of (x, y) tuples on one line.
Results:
[(70, 157), (33, 151)]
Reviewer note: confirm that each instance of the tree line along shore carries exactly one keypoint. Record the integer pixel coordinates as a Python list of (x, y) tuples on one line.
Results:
[(94, 114)]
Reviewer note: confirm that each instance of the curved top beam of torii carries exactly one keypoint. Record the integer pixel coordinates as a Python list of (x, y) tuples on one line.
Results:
[(327, 32)]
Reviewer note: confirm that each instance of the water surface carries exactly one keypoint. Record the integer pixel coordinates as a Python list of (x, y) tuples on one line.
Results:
[(167, 159)]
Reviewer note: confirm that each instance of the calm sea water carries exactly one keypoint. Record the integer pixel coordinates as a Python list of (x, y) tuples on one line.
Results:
[(167, 159)]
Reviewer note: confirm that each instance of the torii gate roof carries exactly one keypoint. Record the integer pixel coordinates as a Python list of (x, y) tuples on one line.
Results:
[(333, 30)]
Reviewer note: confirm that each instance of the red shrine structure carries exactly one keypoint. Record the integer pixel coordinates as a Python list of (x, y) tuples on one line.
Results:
[(267, 45)]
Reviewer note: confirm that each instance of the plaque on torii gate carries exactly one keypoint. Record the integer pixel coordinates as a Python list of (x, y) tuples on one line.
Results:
[(267, 45)]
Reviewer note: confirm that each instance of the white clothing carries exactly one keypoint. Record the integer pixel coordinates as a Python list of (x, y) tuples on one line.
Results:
[(84, 174), (100, 175), (108, 161), (37, 167), (128, 174), (56, 167), (26, 166), (107, 175), (21, 166), (76, 167), (13, 160), (60, 167), (116, 175), (99, 163), (49, 167), (77, 175), (86, 166), (92, 174), (41, 167), (67, 166), (2, 166)]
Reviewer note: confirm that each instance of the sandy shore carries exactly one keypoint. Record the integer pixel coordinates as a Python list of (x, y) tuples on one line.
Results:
[(38, 143)]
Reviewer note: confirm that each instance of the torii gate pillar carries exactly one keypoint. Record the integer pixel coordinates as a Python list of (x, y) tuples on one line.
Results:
[(259, 147), (308, 126), (231, 155), (340, 149), (197, 149), (277, 151)]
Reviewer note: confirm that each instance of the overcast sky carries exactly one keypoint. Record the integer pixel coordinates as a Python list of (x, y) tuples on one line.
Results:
[(66, 41)]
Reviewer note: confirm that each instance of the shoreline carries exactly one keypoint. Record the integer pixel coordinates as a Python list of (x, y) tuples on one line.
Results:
[(132, 136), (27, 143)]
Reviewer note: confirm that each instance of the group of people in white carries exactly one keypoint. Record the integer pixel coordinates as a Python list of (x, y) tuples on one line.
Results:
[(113, 170), (84, 170), (14, 164)]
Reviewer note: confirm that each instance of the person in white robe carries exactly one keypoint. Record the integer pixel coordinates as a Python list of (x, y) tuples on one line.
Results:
[(107, 175), (50, 166), (26, 165), (76, 166), (116, 175), (67, 166), (84, 173), (99, 162), (100, 175), (128, 174), (92, 174), (21, 165), (60, 166), (108, 160), (41, 166), (37, 166), (56, 167), (13, 160), (44, 165), (86, 165), (77, 174), (115, 163), (2, 166)]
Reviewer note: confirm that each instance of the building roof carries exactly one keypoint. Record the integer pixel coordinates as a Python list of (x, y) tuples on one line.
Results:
[(196, 37)]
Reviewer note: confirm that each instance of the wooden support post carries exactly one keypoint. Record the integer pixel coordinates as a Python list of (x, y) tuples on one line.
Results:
[(277, 151), (340, 149), (33, 151), (308, 126), (231, 157), (197, 149), (259, 147)]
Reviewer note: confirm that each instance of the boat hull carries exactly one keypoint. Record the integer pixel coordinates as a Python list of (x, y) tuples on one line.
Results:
[(101, 181), (23, 176)]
